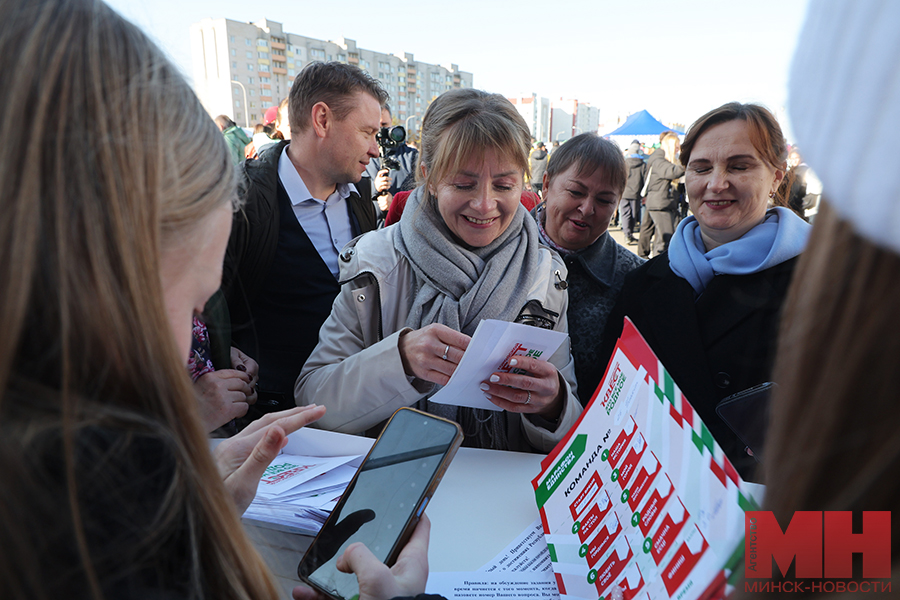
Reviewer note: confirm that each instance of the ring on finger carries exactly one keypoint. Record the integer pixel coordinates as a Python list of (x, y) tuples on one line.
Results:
[(528, 399), (446, 350)]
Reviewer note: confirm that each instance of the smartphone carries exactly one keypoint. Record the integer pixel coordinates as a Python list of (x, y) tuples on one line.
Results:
[(747, 414), (385, 499)]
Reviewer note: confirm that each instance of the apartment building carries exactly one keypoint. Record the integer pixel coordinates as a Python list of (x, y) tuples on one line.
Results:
[(587, 118), (536, 112), (241, 69), (569, 117), (556, 120)]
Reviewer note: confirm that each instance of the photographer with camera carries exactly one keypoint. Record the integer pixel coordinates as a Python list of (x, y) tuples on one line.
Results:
[(395, 164)]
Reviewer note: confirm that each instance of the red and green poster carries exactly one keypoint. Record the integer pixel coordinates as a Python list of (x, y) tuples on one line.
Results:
[(638, 495)]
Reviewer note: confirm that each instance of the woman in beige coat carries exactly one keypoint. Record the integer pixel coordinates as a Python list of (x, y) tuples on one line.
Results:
[(413, 294)]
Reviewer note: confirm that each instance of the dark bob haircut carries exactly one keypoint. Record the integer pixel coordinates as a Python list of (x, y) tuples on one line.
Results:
[(590, 152)]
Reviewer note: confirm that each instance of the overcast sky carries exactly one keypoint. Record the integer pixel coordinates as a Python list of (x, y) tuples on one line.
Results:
[(676, 59)]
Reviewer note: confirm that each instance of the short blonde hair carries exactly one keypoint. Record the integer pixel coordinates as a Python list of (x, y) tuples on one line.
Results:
[(463, 123)]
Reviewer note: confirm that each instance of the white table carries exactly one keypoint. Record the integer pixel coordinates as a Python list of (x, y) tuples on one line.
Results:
[(483, 503)]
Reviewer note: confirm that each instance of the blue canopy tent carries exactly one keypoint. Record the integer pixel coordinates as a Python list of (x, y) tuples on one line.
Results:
[(641, 126)]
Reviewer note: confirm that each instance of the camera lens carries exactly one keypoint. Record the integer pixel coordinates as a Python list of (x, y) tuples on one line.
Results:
[(397, 133)]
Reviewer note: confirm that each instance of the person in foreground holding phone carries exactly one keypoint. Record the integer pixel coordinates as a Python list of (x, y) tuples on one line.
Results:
[(117, 209), (465, 250)]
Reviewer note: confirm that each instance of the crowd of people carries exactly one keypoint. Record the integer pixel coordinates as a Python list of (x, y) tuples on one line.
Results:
[(156, 292)]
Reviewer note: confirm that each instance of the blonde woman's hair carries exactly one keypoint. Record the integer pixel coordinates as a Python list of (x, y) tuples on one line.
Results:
[(464, 123), (118, 161)]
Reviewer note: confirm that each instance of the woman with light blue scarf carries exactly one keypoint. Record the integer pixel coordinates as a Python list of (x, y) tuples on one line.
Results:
[(710, 307)]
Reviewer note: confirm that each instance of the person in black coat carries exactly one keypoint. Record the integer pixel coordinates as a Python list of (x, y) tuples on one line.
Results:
[(630, 204), (662, 196), (709, 307)]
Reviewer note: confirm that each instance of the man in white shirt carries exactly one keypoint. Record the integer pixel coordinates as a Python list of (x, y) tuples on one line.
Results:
[(302, 204)]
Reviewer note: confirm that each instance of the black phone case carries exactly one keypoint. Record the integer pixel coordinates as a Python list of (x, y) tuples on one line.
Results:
[(415, 514), (747, 414)]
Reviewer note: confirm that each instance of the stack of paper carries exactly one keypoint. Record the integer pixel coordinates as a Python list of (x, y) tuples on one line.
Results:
[(301, 487), (301, 491)]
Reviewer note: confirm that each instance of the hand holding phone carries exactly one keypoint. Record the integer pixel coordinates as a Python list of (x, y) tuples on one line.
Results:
[(378, 581), (381, 508)]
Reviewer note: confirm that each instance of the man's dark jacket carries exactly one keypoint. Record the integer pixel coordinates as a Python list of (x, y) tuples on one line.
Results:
[(254, 229), (254, 240)]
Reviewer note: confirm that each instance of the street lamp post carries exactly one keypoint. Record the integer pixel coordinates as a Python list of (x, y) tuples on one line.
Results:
[(246, 114), (407, 123)]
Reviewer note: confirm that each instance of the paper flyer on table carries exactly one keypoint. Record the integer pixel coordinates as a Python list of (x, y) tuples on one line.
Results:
[(288, 471), (454, 586), (490, 350), (525, 554), (306, 478), (638, 495)]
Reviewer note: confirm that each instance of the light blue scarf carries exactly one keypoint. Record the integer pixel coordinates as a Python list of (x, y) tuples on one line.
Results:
[(781, 236)]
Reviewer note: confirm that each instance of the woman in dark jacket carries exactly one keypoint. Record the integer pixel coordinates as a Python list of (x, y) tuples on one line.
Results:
[(710, 307), (538, 161), (582, 186)]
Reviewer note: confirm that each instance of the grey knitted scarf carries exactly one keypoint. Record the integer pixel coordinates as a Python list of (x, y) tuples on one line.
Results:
[(460, 286)]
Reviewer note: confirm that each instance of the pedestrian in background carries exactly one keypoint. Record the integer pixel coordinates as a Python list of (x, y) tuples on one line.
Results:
[(662, 204), (630, 204), (538, 162), (235, 137)]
